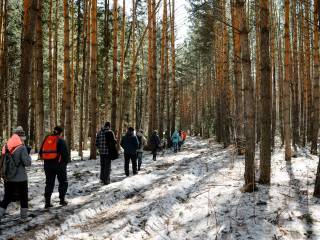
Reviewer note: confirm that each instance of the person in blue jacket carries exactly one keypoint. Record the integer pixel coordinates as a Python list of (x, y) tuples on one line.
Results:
[(175, 138)]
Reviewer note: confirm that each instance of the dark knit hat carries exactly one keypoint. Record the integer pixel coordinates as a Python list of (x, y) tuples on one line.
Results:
[(58, 130)]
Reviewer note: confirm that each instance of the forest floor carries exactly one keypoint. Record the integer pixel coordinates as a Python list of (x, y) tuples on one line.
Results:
[(194, 194)]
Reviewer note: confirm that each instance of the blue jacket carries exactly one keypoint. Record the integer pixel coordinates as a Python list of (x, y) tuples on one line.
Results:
[(129, 143), (175, 137)]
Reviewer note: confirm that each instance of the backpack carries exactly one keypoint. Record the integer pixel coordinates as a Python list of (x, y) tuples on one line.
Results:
[(8, 167), (112, 145), (49, 148)]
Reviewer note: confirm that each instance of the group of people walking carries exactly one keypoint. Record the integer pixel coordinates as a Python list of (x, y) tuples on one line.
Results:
[(16, 157), (56, 156)]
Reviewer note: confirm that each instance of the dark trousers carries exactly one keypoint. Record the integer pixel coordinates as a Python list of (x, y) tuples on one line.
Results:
[(105, 163), (52, 170), (139, 155), (175, 147), (127, 158), (14, 191), (154, 154)]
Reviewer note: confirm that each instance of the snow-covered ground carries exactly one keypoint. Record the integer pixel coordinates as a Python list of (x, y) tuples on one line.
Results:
[(194, 194)]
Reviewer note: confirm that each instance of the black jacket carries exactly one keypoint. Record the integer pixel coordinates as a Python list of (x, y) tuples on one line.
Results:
[(111, 145), (63, 150), (130, 143), (154, 141)]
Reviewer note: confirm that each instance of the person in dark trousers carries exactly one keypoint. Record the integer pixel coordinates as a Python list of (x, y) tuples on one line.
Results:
[(154, 143), (16, 186), (130, 145), (142, 141), (55, 153), (106, 144)]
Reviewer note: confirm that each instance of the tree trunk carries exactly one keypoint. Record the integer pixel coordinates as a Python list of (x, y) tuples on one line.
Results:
[(93, 82), (162, 69), (115, 68), (249, 174), (265, 95), (121, 85), (238, 79), (29, 20), (55, 69), (50, 62), (258, 73), (307, 69), (67, 119), (316, 93), (286, 86), (39, 66), (106, 64), (83, 77), (295, 80), (173, 66)]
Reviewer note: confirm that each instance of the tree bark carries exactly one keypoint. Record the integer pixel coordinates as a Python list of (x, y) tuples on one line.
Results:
[(93, 82), (286, 86), (249, 174), (39, 66), (115, 68), (29, 20), (316, 93), (265, 95)]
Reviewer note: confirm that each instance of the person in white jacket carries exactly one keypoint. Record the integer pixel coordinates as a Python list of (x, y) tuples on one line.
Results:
[(142, 141)]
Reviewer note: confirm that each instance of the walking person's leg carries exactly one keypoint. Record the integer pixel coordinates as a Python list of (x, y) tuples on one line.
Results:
[(50, 172), (23, 196), (108, 169), (126, 164), (134, 163), (7, 198), (63, 182), (139, 155), (103, 161), (102, 167)]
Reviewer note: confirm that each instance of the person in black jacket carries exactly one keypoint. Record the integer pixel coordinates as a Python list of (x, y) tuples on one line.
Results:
[(130, 145), (57, 168), (154, 143), (106, 144)]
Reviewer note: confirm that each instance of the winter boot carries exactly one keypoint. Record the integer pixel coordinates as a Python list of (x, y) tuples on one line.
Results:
[(48, 204), (2, 212), (63, 202), (24, 214)]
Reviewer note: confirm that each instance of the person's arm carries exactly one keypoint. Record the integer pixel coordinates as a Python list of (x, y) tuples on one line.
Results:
[(136, 143), (63, 151), (25, 157), (122, 142)]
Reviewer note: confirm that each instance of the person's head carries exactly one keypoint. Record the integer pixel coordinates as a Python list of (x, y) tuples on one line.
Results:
[(107, 125), (20, 132), (130, 130), (58, 130)]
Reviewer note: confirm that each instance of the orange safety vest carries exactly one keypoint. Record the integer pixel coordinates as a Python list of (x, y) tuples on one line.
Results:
[(13, 143), (49, 149)]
